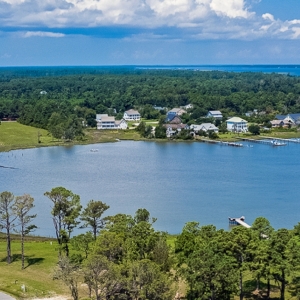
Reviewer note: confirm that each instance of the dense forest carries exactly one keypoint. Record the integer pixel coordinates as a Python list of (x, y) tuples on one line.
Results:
[(50, 97), (124, 257)]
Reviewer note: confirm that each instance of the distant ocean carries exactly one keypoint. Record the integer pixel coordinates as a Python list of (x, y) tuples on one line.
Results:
[(292, 70)]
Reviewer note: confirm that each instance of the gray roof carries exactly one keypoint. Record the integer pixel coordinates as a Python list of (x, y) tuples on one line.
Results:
[(132, 112)]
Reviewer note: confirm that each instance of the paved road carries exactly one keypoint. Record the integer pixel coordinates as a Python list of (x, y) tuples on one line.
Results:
[(5, 297)]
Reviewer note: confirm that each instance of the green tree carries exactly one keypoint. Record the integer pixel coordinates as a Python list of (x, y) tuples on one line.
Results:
[(22, 207), (65, 211), (91, 216), (103, 277), (146, 281), (254, 129), (82, 242), (160, 132), (7, 217), (70, 274)]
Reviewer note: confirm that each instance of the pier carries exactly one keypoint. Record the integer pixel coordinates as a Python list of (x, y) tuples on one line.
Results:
[(239, 221), (232, 144)]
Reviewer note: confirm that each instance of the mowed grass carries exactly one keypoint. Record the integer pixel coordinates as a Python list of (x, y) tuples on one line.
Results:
[(14, 135), (41, 258)]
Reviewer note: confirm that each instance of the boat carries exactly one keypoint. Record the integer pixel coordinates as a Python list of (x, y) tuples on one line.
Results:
[(94, 150), (277, 143)]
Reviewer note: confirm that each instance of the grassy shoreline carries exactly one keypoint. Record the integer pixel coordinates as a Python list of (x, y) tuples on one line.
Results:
[(15, 136)]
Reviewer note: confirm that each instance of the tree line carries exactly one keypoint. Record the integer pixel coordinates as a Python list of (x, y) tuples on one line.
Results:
[(124, 257), (72, 98)]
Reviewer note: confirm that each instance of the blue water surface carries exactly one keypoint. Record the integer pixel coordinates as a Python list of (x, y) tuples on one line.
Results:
[(176, 181)]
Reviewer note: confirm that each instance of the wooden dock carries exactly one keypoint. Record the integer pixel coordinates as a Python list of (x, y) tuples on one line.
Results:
[(232, 144), (239, 221)]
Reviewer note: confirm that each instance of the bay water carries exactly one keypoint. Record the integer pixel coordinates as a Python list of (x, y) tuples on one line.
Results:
[(177, 182)]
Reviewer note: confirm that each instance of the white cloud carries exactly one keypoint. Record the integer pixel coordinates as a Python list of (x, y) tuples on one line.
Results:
[(201, 19), (29, 34)]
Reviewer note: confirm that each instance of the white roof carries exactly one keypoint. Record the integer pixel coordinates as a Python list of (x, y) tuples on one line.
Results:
[(236, 120), (132, 112), (108, 119), (215, 112)]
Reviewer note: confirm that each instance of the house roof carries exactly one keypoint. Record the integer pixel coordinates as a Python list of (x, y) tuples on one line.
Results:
[(215, 112), (293, 116), (208, 126), (175, 126), (236, 120), (175, 120), (107, 119), (118, 122), (177, 110), (132, 112), (100, 116)]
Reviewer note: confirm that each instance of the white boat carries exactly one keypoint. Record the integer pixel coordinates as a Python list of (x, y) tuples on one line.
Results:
[(276, 143), (94, 150)]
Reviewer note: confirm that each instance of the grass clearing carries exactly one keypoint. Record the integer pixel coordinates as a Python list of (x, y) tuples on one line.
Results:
[(41, 258)]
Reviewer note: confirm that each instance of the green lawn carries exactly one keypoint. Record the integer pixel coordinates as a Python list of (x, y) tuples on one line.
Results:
[(14, 135), (41, 258)]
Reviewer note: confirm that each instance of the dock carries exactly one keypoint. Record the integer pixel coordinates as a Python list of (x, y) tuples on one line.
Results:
[(239, 221), (232, 144)]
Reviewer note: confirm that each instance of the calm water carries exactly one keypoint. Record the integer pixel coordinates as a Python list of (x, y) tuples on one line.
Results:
[(176, 182)]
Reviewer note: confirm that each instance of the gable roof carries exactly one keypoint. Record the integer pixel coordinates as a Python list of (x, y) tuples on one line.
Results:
[(236, 120), (177, 110), (215, 112), (175, 120), (132, 112)]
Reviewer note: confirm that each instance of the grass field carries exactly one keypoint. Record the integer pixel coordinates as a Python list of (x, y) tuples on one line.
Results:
[(41, 258)]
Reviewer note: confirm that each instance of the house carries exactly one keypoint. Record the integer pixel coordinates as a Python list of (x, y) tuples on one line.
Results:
[(108, 122), (237, 124), (131, 115), (172, 129), (291, 118), (175, 112), (214, 114), (280, 123), (205, 127), (188, 106)]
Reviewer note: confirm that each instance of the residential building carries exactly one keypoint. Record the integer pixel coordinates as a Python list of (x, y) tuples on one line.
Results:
[(292, 118), (175, 112), (214, 114), (108, 122), (237, 124), (280, 123), (131, 115), (172, 129), (205, 127)]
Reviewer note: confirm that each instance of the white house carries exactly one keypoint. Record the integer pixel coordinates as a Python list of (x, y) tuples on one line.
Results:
[(108, 122), (214, 114), (237, 124), (131, 115), (205, 127)]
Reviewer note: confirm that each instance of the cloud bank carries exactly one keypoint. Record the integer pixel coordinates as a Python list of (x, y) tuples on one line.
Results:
[(193, 19)]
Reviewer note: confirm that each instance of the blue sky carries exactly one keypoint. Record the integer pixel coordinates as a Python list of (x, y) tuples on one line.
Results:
[(149, 32)]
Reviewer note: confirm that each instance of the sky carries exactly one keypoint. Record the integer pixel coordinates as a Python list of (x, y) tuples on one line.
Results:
[(149, 32)]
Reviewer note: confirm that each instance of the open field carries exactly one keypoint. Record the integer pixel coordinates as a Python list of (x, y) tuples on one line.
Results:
[(41, 258)]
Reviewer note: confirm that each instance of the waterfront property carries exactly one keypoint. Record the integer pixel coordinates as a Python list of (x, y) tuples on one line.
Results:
[(108, 122), (204, 127), (175, 112), (237, 124), (292, 119), (131, 115), (173, 129), (280, 123)]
